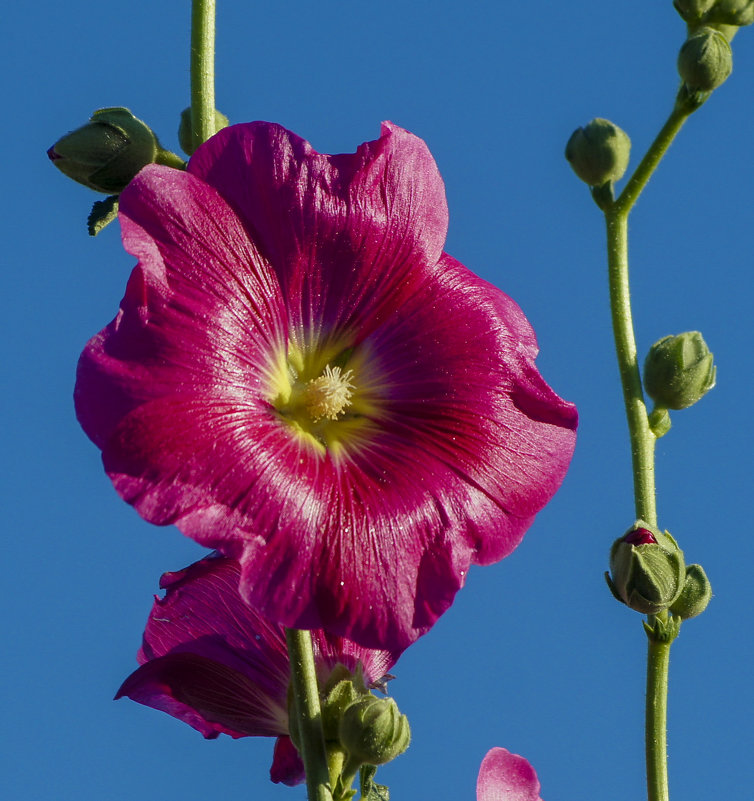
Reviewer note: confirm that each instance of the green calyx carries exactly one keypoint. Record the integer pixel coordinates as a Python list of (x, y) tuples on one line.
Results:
[(373, 731), (705, 60), (679, 370), (647, 578), (695, 595), (108, 152), (708, 12), (598, 152)]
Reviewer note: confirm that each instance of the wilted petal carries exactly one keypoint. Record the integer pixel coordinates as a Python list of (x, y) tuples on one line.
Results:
[(212, 661), (287, 767), (206, 694), (506, 777)]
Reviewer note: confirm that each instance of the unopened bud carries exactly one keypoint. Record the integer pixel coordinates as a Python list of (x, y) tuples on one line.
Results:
[(731, 12), (107, 152), (185, 139), (647, 570), (693, 11), (679, 370), (598, 152), (695, 595), (373, 731), (705, 60)]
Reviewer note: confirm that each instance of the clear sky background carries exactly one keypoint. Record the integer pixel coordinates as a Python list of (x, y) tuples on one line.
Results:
[(534, 655)]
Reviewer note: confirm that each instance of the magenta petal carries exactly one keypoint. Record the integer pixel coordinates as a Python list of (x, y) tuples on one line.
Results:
[(207, 695), (266, 252), (287, 767), (210, 660), (342, 232), (506, 777), (201, 315)]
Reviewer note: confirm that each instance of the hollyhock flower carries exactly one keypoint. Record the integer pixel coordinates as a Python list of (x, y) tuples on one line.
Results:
[(212, 661), (506, 777), (299, 377)]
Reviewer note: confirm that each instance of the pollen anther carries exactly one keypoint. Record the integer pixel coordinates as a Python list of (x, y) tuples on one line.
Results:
[(329, 395)]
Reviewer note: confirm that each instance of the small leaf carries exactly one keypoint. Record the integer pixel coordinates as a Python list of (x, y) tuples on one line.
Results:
[(103, 213), (379, 792), (370, 790)]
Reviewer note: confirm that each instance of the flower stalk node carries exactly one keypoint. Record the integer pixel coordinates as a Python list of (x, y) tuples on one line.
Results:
[(663, 630)]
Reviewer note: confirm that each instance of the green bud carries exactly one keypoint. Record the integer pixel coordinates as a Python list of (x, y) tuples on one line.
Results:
[(693, 11), (679, 370), (598, 152), (185, 140), (373, 731), (107, 152), (705, 60), (341, 689), (731, 12), (695, 595), (647, 570)]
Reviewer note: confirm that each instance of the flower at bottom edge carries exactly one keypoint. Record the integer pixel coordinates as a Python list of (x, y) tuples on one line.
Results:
[(504, 776), (209, 659), (301, 378)]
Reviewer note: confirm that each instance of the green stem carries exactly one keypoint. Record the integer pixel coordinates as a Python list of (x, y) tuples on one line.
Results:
[(616, 218), (202, 70), (648, 164), (170, 159), (642, 438), (306, 705), (658, 660)]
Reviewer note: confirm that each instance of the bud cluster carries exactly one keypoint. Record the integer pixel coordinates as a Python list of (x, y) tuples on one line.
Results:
[(361, 728), (716, 12)]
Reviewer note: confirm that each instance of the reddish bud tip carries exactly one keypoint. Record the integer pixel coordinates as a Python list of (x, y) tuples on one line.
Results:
[(640, 536)]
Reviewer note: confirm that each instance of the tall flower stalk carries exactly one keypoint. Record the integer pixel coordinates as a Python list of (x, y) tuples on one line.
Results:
[(648, 565)]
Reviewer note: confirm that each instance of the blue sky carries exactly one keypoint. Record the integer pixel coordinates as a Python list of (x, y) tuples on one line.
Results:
[(534, 655)]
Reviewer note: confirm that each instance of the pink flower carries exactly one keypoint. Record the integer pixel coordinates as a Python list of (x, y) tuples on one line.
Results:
[(506, 777), (210, 660), (299, 377)]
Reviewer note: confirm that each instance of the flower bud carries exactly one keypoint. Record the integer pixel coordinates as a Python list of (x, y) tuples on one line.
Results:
[(341, 689), (679, 370), (647, 570), (598, 152), (731, 12), (695, 595), (107, 152), (705, 60), (693, 11), (185, 140), (373, 731)]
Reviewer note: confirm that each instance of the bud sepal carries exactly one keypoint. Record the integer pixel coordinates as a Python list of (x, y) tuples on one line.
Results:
[(695, 595)]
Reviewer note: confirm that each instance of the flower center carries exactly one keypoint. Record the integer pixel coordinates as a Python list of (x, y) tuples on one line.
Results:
[(328, 396)]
